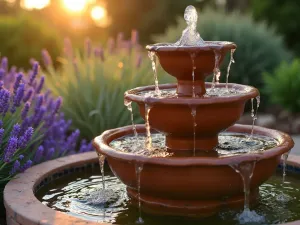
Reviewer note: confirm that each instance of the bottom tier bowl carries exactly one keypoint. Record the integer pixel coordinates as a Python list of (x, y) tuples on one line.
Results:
[(191, 186)]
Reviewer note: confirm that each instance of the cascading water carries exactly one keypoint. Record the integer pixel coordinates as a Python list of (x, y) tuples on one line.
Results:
[(101, 158), (246, 172), (217, 72), (128, 104), (253, 112), (148, 143), (194, 113), (153, 59), (138, 171), (229, 66), (193, 56)]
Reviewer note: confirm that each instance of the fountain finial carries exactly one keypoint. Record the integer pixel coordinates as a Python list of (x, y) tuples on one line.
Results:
[(190, 36)]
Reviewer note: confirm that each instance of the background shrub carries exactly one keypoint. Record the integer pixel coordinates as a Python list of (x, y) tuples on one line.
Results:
[(259, 49), (23, 36), (284, 16), (93, 83), (283, 86)]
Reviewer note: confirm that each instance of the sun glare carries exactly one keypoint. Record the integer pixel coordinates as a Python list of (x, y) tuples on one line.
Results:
[(98, 13), (75, 5), (34, 4)]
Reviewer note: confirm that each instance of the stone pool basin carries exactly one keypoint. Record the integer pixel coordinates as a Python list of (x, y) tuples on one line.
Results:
[(23, 208)]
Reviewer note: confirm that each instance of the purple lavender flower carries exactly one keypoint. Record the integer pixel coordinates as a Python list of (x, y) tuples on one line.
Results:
[(88, 47), (4, 101), (71, 141), (4, 64), (18, 97), (25, 138), (15, 131), (39, 154), (2, 73), (41, 84), (21, 157), (10, 149), (25, 110), (139, 61), (99, 53), (68, 49), (28, 95), (15, 168), (38, 103), (26, 166), (120, 39), (110, 45), (17, 82), (50, 153), (134, 37), (1, 84), (46, 58), (57, 105), (83, 146), (1, 135), (35, 71), (46, 96), (39, 116)]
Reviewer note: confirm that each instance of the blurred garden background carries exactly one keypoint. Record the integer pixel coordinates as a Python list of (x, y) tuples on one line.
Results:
[(91, 51)]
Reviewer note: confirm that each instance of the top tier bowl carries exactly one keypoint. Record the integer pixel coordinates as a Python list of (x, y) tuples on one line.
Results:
[(177, 61)]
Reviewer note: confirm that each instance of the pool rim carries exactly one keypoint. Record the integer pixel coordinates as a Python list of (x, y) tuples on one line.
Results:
[(20, 200)]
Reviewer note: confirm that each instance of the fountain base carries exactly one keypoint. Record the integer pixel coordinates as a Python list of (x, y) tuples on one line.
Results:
[(189, 208)]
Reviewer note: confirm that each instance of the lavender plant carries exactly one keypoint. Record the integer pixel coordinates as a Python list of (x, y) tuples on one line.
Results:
[(93, 83), (32, 129)]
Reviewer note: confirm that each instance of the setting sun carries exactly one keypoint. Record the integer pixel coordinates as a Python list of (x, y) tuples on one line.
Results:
[(75, 5), (34, 4), (98, 13)]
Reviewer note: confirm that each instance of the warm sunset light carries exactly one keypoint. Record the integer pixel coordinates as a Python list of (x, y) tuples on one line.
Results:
[(75, 5), (98, 13), (34, 4)]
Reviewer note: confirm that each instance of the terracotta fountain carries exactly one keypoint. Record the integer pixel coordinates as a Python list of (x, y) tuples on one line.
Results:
[(195, 181)]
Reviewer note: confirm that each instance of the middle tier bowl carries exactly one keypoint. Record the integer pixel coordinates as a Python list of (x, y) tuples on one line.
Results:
[(176, 117)]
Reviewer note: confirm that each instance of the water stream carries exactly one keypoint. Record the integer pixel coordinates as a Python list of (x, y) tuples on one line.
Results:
[(193, 56), (194, 113), (153, 58), (285, 157), (246, 172), (101, 163), (138, 171), (217, 72), (148, 142), (229, 66), (254, 113), (128, 104)]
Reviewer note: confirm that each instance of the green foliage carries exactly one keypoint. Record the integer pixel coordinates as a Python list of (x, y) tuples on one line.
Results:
[(93, 85), (148, 17), (259, 49), (23, 36), (284, 15), (283, 85)]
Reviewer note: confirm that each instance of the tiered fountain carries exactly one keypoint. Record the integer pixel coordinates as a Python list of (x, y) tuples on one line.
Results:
[(191, 159)]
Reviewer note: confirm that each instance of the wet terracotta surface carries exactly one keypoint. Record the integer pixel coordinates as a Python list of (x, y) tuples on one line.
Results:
[(176, 60), (191, 179), (22, 208), (173, 117)]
